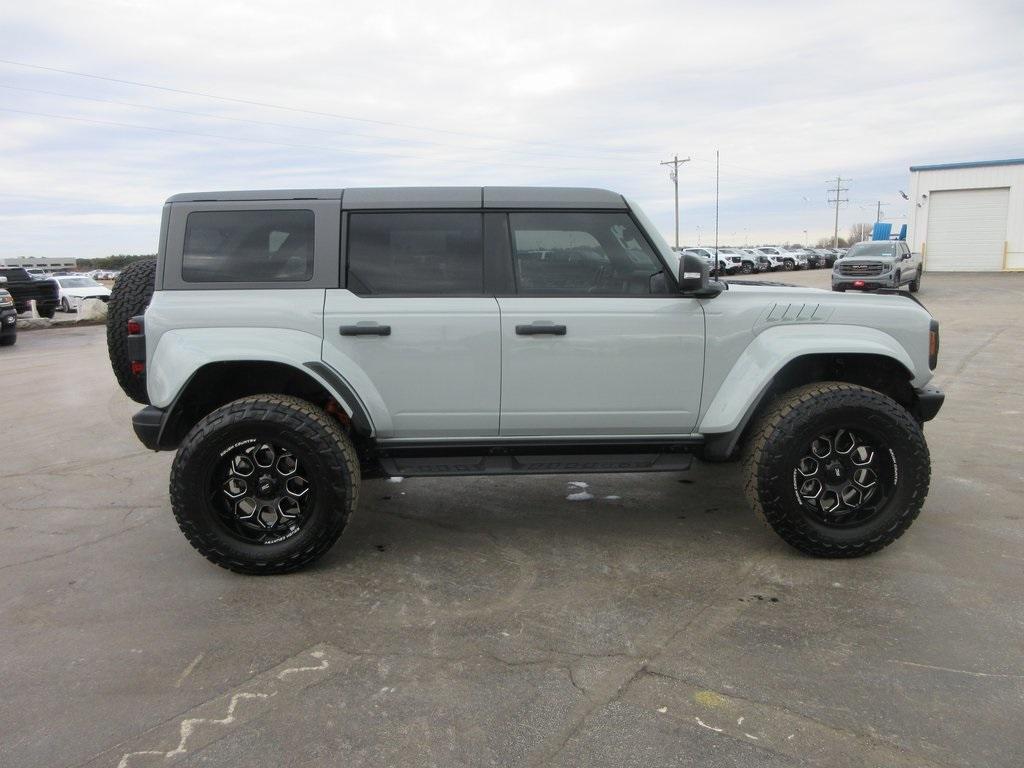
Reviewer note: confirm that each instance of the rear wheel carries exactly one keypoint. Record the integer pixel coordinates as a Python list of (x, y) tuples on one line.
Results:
[(788, 265), (65, 306), (129, 297), (837, 470), (265, 484), (746, 268)]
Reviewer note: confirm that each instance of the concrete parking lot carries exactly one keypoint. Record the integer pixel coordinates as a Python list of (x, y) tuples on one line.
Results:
[(639, 620)]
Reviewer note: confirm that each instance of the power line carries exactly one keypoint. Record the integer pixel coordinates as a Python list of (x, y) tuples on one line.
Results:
[(269, 105), (289, 126), (839, 189), (294, 145), (675, 162)]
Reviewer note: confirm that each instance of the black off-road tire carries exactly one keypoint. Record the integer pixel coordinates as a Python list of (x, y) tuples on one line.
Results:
[(321, 447), (915, 284), (8, 340), (129, 297), (786, 427)]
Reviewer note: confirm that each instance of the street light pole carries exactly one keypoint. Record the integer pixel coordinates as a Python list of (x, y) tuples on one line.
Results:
[(675, 162)]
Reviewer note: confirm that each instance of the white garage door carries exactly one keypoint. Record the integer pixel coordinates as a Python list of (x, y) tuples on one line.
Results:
[(966, 230)]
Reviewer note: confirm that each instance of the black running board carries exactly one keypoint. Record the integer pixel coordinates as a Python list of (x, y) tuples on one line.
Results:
[(433, 460)]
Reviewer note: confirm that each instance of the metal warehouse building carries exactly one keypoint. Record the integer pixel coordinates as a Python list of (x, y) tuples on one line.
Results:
[(968, 217)]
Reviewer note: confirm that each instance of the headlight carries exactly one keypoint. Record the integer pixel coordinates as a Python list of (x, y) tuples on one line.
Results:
[(5, 299), (933, 344)]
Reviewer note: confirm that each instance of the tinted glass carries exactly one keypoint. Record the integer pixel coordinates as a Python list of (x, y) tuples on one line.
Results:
[(883, 248), (571, 253), (248, 246), (415, 253)]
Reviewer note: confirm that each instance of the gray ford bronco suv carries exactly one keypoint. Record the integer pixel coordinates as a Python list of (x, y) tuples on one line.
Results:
[(289, 344)]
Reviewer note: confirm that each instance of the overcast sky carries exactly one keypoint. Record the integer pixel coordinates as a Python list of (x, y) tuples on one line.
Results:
[(439, 93)]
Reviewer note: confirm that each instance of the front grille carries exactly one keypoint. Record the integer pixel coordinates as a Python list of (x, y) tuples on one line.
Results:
[(861, 269)]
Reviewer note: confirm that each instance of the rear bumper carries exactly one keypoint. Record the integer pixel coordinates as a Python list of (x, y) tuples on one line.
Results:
[(149, 425), (929, 401)]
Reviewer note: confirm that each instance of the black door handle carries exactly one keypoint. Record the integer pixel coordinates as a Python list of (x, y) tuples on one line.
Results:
[(365, 330), (537, 329)]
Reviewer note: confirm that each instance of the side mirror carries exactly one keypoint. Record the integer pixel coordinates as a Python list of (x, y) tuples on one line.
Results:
[(693, 273)]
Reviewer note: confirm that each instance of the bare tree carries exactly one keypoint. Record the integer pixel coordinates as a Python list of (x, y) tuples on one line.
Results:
[(859, 232), (826, 242)]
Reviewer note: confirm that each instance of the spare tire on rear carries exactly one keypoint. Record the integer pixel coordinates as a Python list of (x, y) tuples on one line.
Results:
[(129, 297)]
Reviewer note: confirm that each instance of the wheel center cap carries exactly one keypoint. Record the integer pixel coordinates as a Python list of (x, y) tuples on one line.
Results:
[(835, 471), (266, 486)]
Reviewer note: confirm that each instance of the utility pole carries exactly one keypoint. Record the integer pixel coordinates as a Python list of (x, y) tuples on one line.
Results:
[(716, 214), (839, 189), (675, 162), (878, 212)]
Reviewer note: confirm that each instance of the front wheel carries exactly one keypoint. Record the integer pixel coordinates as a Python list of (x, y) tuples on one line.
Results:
[(746, 268), (788, 265), (915, 284), (265, 484), (837, 470), (65, 305)]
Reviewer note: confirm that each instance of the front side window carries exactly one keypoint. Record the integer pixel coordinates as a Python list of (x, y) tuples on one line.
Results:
[(571, 253), (248, 246), (416, 253)]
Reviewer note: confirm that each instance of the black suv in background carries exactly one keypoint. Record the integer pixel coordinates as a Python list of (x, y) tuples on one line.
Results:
[(8, 318), (24, 288)]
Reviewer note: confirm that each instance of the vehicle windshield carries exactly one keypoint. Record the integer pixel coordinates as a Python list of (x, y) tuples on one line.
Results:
[(668, 255), (78, 282), (872, 249)]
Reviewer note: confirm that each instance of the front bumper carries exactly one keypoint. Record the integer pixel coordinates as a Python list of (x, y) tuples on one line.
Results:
[(867, 283), (8, 321), (928, 401)]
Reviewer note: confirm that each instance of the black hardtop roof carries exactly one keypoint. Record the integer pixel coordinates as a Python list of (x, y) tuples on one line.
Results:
[(375, 198)]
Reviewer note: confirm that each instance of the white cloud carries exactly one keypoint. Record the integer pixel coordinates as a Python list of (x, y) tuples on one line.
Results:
[(592, 93)]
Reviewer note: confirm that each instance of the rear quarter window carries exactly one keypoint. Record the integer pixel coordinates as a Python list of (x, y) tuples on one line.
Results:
[(259, 246), (407, 253)]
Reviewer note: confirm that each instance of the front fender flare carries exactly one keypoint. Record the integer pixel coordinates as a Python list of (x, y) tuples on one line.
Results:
[(772, 349)]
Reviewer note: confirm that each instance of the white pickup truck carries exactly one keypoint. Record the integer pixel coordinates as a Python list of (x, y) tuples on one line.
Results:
[(289, 344)]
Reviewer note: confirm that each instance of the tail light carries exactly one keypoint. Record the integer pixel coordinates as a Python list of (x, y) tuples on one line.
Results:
[(134, 327), (138, 367), (933, 344)]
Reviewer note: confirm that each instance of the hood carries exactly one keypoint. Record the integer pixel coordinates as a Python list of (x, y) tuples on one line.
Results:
[(866, 259), (85, 293)]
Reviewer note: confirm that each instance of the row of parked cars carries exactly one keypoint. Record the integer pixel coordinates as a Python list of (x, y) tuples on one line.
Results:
[(51, 293), (765, 258)]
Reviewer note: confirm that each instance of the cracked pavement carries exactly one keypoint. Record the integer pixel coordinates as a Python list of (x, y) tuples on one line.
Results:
[(493, 621)]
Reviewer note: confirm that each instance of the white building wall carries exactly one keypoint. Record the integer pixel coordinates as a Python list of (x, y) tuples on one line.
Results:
[(924, 182)]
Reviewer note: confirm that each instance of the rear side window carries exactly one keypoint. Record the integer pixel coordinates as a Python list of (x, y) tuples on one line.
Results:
[(248, 246), (570, 253), (415, 253)]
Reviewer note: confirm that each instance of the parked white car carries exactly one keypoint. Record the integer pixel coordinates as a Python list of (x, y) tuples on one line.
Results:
[(74, 289), (783, 258)]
